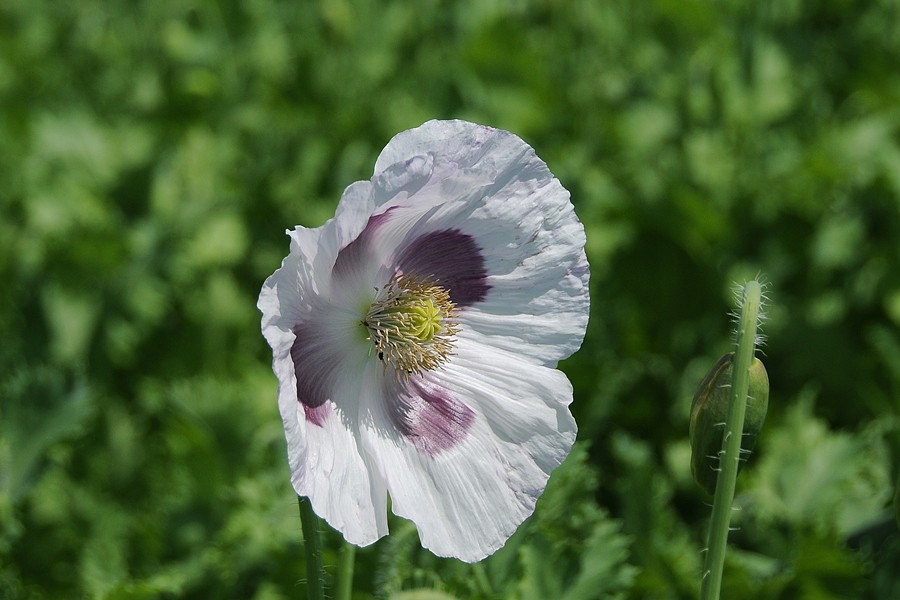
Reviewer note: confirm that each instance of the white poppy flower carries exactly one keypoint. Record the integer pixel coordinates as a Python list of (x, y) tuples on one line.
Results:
[(415, 338)]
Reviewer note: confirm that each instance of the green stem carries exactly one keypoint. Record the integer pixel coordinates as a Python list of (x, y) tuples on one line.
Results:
[(345, 572), (309, 522), (731, 444), (484, 584)]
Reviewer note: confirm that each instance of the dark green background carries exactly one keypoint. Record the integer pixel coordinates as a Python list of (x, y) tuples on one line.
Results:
[(152, 154)]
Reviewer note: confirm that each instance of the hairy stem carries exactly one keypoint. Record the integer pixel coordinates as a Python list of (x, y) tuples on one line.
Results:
[(731, 444), (309, 522)]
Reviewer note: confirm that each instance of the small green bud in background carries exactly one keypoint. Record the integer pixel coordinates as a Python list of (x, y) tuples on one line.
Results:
[(709, 411)]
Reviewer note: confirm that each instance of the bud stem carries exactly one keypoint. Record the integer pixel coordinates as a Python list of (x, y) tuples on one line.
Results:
[(731, 444)]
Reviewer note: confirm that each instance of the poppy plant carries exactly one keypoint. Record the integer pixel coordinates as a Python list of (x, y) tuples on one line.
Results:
[(415, 339)]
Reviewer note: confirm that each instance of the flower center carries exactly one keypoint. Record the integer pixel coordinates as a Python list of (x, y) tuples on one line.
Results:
[(411, 325)]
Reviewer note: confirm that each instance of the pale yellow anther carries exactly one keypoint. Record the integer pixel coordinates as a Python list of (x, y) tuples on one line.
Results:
[(411, 325)]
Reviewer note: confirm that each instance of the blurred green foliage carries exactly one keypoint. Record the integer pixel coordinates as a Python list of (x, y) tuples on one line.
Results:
[(152, 153)]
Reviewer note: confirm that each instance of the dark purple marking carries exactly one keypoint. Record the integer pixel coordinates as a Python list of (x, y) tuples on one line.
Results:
[(314, 371), (428, 415), (453, 260), (316, 415), (355, 251)]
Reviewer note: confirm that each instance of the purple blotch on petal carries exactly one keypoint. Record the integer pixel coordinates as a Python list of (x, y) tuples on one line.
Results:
[(350, 255), (314, 359), (316, 415), (453, 259), (428, 415)]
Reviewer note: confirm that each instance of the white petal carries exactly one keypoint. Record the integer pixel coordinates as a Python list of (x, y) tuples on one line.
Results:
[(490, 186), (326, 462), (468, 499), (458, 142), (287, 295), (539, 311)]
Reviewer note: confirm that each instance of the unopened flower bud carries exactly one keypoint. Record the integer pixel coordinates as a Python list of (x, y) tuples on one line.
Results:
[(709, 411)]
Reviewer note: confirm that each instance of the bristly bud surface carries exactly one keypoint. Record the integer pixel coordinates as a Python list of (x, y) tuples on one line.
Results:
[(709, 411)]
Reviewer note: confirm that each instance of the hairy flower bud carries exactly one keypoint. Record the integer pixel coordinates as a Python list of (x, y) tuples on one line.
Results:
[(709, 411)]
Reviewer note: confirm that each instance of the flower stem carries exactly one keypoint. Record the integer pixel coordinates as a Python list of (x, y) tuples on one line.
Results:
[(309, 522), (345, 572), (731, 444)]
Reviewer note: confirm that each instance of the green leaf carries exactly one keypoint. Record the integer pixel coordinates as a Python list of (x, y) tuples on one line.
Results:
[(39, 409), (808, 475)]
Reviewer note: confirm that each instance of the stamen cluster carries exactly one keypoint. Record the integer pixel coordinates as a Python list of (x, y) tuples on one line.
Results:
[(411, 324)]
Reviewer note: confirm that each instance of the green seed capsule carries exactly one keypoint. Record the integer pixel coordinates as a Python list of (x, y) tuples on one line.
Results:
[(709, 411)]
